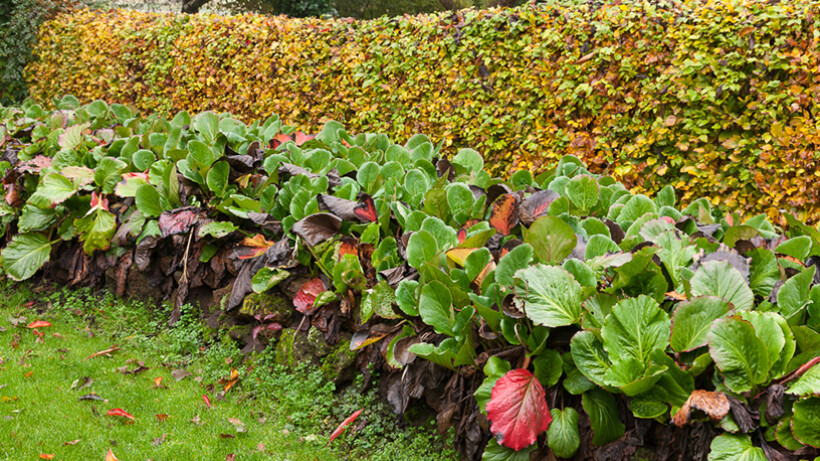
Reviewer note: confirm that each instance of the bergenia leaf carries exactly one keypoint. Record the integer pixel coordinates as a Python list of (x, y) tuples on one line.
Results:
[(518, 410), (307, 294), (25, 255)]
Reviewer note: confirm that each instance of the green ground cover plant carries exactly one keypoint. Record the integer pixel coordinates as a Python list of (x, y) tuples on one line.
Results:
[(560, 312), (55, 394)]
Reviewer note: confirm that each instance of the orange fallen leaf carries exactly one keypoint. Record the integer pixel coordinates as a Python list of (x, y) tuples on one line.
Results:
[(105, 352), (119, 412), (45, 456), (714, 404), (73, 442), (344, 424), (110, 456), (39, 324), (29, 374), (230, 382), (161, 417), (158, 382)]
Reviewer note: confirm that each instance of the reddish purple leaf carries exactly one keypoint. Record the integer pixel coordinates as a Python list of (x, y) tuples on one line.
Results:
[(307, 295), (517, 409), (536, 205), (505, 214), (179, 221), (251, 247)]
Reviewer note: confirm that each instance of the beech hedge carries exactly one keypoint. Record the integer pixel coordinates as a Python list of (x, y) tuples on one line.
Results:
[(717, 99), (559, 312)]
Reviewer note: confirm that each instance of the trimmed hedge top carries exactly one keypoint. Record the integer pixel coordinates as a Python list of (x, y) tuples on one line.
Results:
[(716, 99)]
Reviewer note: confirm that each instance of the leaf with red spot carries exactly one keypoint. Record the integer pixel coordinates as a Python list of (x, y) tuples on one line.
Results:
[(98, 200), (251, 247), (344, 425), (462, 232), (307, 294), (39, 324), (517, 409), (364, 210), (505, 213), (536, 205), (120, 412)]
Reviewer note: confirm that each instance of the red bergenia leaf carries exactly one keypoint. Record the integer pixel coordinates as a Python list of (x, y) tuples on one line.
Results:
[(344, 425), (179, 221), (366, 210), (505, 214), (207, 400), (536, 205), (307, 295), (251, 247), (348, 246), (119, 412), (302, 138), (517, 409), (39, 324)]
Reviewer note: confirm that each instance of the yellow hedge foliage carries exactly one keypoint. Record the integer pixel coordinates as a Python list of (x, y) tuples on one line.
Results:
[(716, 98)]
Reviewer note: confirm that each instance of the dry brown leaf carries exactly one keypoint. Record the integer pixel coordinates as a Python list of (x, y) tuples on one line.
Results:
[(714, 404)]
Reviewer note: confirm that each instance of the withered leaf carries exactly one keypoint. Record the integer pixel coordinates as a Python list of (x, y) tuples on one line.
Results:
[(316, 228), (714, 404)]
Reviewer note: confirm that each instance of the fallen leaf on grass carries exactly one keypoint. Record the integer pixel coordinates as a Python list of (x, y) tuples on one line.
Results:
[(106, 352), (238, 425), (179, 375), (227, 436), (92, 396), (230, 382), (17, 321), (139, 369), (158, 383), (344, 424), (195, 420), (161, 417), (260, 446), (207, 400), (230, 457), (73, 442), (159, 440), (714, 404), (58, 335), (29, 374), (110, 456), (119, 412), (45, 456), (82, 383), (39, 324)]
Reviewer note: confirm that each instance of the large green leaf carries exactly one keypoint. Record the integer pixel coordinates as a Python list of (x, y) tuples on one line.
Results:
[(379, 301), (739, 354), (582, 191), (693, 318), (735, 447), (548, 295), (207, 123), (589, 357), (768, 328), (96, 229), (719, 278), (436, 307), (421, 248), (148, 201), (602, 410), (635, 328), (25, 255), (497, 452), (793, 296), (55, 189), (634, 208), (551, 238), (518, 258), (808, 384), (806, 421), (107, 173), (563, 436), (217, 177)]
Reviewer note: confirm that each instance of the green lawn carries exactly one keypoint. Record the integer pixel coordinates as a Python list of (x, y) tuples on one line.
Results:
[(268, 414)]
